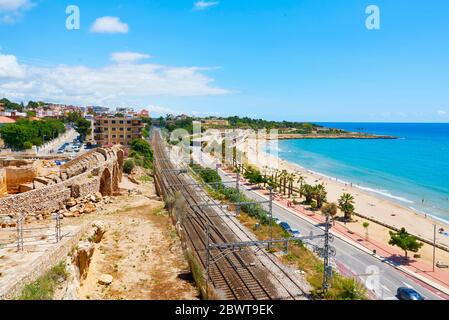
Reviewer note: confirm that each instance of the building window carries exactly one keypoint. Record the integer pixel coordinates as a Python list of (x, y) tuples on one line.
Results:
[(122, 136), (129, 129), (114, 129), (122, 129), (113, 121), (114, 136), (122, 122), (128, 122)]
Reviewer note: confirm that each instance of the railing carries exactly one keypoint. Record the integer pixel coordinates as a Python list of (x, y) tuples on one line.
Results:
[(19, 236)]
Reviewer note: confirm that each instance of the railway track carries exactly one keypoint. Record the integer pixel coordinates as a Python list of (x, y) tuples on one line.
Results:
[(237, 275)]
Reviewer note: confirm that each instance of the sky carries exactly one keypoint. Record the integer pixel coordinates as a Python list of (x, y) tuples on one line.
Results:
[(297, 60)]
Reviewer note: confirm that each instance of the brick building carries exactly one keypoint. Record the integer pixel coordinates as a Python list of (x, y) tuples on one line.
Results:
[(112, 131)]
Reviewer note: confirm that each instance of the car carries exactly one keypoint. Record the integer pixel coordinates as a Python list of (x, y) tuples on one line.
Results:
[(276, 220), (285, 226), (408, 294)]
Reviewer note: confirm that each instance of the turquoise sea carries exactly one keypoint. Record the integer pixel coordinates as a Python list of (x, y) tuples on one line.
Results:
[(412, 170)]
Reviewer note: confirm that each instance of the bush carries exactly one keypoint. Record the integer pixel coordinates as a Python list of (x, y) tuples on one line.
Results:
[(128, 166), (44, 287), (142, 153), (27, 145)]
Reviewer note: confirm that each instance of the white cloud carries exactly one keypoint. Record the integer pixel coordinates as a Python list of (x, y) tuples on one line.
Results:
[(11, 10), (109, 25), (13, 5), (115, 84), (128, 56), (201, 5), (9, 67), (442, 112)]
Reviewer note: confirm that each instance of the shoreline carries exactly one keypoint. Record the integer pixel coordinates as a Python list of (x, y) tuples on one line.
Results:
[(390, 197), (348, 136), (367, 203)]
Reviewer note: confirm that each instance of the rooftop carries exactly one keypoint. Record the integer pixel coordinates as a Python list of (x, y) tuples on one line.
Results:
[(6, 120)]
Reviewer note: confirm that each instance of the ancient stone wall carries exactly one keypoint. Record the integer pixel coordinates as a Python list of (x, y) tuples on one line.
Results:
[(19, 172), (3, 189), (96, 171)]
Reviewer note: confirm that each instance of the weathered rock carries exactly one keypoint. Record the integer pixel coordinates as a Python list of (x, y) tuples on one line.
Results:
[(83, 256), (96, 233), (68, 214), (89, 208), (105, 279), (71, 202), (98, 196)]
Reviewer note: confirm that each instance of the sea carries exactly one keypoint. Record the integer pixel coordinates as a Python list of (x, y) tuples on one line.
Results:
[(412, 170)]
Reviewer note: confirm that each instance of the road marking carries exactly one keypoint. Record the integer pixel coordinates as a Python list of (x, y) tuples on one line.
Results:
[(385, 288), (407, 285)]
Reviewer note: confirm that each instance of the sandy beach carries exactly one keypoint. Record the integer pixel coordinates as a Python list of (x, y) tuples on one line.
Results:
[(366, 204)]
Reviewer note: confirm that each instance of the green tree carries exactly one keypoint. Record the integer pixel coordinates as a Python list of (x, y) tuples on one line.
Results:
[(142, 153), (83, 127), (73, 117), (27, 145), (366, 225), (320, 195), (128, 166), (308, 192), (346, 204), (405, 241)]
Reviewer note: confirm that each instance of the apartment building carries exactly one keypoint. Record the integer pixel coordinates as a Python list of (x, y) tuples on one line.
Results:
[(112, 130)]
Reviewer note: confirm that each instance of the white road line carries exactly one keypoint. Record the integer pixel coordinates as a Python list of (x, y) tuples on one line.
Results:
[(407, 285)]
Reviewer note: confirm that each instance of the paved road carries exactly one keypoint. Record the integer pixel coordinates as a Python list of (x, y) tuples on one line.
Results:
[(349, 259), (53, 146)]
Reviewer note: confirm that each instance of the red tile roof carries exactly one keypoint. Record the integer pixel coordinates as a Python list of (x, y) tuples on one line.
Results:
[(6, 120)]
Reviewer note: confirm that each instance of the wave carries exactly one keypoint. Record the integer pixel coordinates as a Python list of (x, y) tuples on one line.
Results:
[(385, 193), (426, 214)]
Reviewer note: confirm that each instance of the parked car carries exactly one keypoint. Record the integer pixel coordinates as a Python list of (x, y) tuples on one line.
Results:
[(285, 226), (408, 294), (276, 220)]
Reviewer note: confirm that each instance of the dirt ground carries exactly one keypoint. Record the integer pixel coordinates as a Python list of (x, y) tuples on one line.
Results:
[(143, 253)]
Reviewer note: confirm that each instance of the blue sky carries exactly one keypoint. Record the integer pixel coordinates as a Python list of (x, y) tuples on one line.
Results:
[(306, 60)]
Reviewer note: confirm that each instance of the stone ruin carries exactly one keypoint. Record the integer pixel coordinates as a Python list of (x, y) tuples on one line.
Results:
[(16, 172), (73, 190)]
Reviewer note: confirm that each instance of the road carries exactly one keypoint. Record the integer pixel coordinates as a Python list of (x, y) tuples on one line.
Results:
[(349, 259), (52, 146)]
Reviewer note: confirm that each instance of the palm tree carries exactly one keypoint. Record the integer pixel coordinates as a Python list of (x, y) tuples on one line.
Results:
[(346, 204), (307, 191), (276, 174), (366, 225), (320, 195), (301, 182), (291, 179)]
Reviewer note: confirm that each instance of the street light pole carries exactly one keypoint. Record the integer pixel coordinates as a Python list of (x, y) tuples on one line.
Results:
[(237, 186), (270, 206), (434, 245)]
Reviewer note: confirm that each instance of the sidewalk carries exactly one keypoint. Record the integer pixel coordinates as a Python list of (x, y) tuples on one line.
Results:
[(392, 255)]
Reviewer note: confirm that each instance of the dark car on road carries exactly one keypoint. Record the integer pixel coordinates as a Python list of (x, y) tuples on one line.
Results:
[(285, 226), (408, 294)]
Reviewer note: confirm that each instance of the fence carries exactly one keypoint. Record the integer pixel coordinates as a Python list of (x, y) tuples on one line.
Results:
[(19, 236)]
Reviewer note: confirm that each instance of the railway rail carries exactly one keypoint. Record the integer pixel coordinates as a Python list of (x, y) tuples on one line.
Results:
[(244, 275)]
